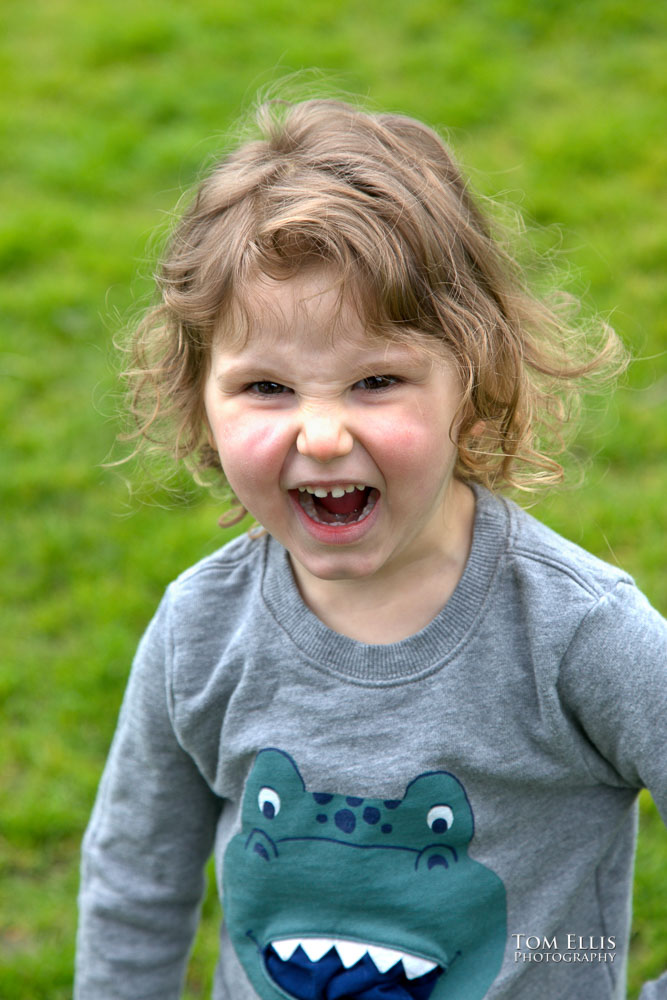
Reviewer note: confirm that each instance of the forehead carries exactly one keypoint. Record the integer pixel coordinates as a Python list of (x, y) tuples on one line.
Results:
[(312, 313), (315, 301), (312, 304)]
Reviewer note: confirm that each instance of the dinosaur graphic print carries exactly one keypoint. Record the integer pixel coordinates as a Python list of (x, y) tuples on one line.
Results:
[(338, 896)]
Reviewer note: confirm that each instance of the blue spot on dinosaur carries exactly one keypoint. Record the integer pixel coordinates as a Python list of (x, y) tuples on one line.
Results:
[(320, 893)]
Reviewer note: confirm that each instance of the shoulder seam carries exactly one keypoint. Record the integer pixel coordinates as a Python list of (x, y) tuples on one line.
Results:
[(592, 583), (567, 570), (215, 561)]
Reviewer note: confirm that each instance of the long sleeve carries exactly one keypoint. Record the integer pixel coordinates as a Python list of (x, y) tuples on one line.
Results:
[(615, 683), (146, 845)]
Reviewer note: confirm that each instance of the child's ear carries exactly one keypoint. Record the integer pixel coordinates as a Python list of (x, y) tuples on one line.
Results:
[(477, 429)]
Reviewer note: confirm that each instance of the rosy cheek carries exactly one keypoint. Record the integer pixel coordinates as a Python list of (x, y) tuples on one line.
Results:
[(400, 441), (400, 437), (406, 446), (250, 449), (255, 439)]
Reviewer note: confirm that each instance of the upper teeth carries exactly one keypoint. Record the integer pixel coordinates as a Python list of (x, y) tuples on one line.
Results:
[(350, 952), (335, 491)]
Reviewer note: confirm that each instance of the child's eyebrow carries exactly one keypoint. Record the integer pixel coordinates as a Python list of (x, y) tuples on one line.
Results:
[(382, 363), (237, 374), (239, 368)]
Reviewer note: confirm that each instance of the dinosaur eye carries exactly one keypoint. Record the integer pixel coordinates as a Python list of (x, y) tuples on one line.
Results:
[(440, 818), (269, 802)]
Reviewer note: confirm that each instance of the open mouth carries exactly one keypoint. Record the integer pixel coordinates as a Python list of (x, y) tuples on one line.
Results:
[(344, 504), (314, 968)]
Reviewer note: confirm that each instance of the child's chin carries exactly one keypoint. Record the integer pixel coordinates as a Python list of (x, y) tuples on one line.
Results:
[(338, 566)]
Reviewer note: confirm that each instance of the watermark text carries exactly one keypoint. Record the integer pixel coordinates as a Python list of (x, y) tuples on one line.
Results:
[(571, 949)]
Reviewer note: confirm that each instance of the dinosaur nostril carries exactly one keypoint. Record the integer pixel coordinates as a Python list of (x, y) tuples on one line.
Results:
[(345, 820)]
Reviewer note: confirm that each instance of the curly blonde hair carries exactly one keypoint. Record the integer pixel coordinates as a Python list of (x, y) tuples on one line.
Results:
[(378, 199)]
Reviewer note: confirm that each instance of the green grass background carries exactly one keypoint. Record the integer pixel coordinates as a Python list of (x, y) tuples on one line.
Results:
[(108, 111)]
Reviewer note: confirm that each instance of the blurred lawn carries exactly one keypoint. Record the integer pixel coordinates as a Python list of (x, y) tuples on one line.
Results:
[(108, 112)]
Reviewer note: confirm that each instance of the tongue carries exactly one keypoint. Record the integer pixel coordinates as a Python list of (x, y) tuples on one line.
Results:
[(349, 503)]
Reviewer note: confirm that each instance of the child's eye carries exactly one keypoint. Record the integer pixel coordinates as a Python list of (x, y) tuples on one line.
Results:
[(267, 388), (375, 382)]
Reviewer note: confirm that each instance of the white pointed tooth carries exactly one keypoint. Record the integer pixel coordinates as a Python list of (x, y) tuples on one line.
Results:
[(360, 486), (315, 948), (384, 958), (319, 491), (350, 488), (309, 489), (415, 966), (337, 491), (350, 952), (286, 947)]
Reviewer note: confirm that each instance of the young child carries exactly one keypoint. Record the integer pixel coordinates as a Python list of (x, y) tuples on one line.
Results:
[(409, 721)]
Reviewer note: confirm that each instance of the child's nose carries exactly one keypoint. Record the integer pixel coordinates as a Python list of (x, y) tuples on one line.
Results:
[(323, 435)]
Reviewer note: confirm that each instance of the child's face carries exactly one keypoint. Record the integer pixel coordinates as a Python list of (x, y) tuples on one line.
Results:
[(309, 405)]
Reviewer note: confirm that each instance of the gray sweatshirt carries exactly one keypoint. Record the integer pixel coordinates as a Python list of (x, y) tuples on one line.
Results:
[(453, 814)]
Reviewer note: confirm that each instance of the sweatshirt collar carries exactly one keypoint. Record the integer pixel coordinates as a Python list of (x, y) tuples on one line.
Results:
[(418, 654)]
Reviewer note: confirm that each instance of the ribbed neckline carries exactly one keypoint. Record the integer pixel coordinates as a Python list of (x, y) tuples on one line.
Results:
[(410, 658)]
